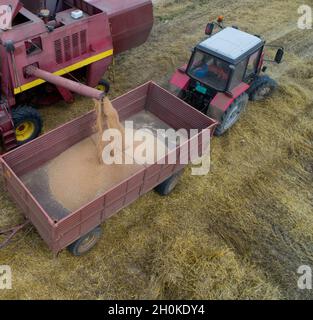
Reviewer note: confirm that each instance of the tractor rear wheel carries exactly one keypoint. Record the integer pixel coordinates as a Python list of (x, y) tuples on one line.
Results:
[(232, 114), (27, 123), (262, 88)]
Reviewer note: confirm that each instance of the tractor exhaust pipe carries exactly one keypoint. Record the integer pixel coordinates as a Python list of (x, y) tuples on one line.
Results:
[(70, 85)]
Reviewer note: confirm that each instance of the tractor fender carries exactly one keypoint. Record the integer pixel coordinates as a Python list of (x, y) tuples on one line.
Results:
[(222, 101), (180, 79)]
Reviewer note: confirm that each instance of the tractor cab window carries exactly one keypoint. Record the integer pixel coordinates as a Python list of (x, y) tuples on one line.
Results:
[(238, 74), (253, 64), (209, 70)]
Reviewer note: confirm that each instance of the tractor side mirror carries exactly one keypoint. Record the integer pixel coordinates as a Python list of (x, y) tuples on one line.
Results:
[(209, 29), (279, 55)]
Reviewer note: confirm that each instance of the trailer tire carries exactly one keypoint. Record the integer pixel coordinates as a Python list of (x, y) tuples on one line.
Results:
[(262, 88), (166, 187), (232, 114), (85, 243), (27, 122)]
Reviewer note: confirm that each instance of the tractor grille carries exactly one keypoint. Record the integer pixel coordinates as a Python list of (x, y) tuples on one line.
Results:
[(70, 47)]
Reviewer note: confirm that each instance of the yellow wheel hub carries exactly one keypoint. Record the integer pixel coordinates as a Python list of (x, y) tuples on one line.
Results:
[(100, 87), (24, 131)]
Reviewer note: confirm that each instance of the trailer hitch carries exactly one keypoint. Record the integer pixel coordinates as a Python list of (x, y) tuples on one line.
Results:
[(10, 233)]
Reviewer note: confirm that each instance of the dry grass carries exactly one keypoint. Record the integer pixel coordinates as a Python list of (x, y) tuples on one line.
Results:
[(238, 233)]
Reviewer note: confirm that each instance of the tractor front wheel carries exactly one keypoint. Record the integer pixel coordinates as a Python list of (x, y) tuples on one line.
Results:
[(27, 123), (261, 88), (232, 114)]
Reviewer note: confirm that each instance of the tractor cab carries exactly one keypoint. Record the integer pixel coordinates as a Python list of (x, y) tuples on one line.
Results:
[(225, 60), (224, 73)]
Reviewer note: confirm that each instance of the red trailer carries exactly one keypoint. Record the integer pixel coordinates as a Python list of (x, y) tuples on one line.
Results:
[(69, 38), (23, 168)]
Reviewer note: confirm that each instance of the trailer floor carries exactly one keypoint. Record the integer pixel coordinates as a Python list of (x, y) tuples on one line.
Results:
[(240, 232)]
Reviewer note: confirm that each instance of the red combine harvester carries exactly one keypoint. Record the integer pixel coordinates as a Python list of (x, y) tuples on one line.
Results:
[(54, 38), (224, 72)]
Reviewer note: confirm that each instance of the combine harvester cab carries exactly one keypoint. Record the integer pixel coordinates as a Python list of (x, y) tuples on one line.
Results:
[(69, 37)]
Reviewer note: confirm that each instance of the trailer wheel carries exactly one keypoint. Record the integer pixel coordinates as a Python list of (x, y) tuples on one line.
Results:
[(27, 123), (104, 86), (166, 187), (232, 114), (262, 88), (85, 243)]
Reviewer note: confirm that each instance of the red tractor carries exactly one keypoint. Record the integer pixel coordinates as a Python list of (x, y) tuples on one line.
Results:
[(51, 41), (224, 72)]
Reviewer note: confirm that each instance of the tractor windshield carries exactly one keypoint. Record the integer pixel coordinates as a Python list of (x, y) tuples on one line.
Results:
[(209, 70)]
